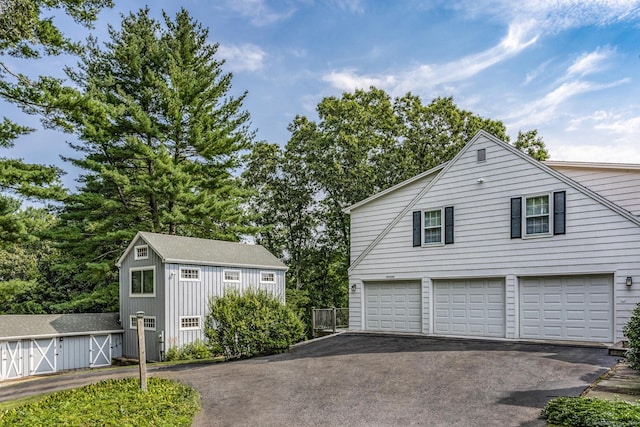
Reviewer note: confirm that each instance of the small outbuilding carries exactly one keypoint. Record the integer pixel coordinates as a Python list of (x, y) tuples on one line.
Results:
[(171, 279), (34, 344)]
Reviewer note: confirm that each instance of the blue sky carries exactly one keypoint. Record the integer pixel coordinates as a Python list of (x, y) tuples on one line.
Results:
[(570, 69)]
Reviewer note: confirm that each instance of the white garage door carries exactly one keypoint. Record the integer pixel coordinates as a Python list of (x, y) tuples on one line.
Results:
[(474, 307), (393, 306), (577, 308)]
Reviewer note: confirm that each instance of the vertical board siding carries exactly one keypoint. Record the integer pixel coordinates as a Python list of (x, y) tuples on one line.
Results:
[(597, 239), (191, 298), (152, 306)]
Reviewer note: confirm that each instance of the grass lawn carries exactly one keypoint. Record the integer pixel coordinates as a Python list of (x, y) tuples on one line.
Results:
[(109, 403)]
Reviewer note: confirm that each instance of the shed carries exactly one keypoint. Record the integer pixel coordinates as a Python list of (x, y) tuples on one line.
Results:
[(171, 279), (33, 344)]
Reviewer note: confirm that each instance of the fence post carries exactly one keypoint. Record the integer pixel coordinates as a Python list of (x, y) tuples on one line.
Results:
[(334, 319), (142, 354), (313, 322)]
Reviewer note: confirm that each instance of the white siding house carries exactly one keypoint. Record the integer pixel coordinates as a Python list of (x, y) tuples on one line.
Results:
[(171, 279), (497, 244)]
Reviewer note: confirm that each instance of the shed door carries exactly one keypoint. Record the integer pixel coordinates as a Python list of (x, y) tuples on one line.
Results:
[(473, 307), (393, 306), (100, 350), (574, 308), (11, 359), (43, 356)]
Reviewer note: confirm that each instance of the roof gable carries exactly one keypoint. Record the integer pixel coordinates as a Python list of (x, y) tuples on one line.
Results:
[(193, 250), (512, 150)]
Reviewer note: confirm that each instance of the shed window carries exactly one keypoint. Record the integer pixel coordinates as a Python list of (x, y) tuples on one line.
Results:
[(189, 274), (231, 275), (192, 322), (142, 282), (267, 277), (149, 323), (141, 252)]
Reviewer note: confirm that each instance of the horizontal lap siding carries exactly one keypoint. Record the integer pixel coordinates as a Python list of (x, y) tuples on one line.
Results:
[(597, 239), (619, 186), (368, 221)]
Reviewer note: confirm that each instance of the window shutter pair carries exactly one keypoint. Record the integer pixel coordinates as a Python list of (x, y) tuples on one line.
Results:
[(448, 226), (559, 215)]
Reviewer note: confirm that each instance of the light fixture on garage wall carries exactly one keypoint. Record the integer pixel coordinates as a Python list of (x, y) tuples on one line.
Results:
[(629, 281), (480, 180), (353, 287)]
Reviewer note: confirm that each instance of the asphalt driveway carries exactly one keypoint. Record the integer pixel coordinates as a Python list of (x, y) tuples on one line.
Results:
[(375, 380), (369, 380)]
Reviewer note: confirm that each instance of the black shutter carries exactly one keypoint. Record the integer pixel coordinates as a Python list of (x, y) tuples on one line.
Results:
[(559, 207), (417, 231), (516, 217), (448, 225)]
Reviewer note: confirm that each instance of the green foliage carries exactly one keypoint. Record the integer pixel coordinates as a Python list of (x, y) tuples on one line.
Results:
[(632, 333), (160, 140), (250, 323), (363, 142), (580, 411), (191, 351), (530, 143), (111, 403)]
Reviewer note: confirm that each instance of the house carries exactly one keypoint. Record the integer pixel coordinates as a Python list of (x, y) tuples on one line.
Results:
[(37, 344), (496, 244), (171, 279)]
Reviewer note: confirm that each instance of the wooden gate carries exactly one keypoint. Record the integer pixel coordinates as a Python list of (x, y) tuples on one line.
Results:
[(42, 356), (11, 359), (100, 350)]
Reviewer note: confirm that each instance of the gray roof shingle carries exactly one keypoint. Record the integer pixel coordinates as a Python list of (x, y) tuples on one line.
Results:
[(42, 325), (192, 250)]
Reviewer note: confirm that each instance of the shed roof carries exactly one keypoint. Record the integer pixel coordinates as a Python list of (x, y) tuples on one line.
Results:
[(193, 250), (17, 326)]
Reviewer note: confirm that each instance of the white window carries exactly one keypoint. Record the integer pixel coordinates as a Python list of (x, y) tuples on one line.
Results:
[(231, 276), (267, 277), (191, 322), (432, 227), (141, 252), (537, 213), (149, 323), (142, 282), (190, 274)]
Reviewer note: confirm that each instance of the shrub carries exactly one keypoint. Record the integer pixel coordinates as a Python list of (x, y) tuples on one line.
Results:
[(190, 351), (250, 323), (582, 411), (110, 403), (632, 332)]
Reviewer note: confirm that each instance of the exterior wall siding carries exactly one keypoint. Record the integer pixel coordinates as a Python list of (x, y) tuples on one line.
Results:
[(21, 357), (152, 306), (618, 185), (191, 298), (597, 239)]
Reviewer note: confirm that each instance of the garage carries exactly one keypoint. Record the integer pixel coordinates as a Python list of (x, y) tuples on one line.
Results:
[(393, 306), (572, 308), (473, 307)]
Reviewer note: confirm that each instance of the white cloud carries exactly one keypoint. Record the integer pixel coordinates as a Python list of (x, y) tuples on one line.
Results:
[(353, 6), (245, 57), (428, 76), (259, 12), (589, 63)]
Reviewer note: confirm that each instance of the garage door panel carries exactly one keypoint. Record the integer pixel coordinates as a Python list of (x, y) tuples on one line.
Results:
[(576, 308), (393, 306), (472, 307)]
